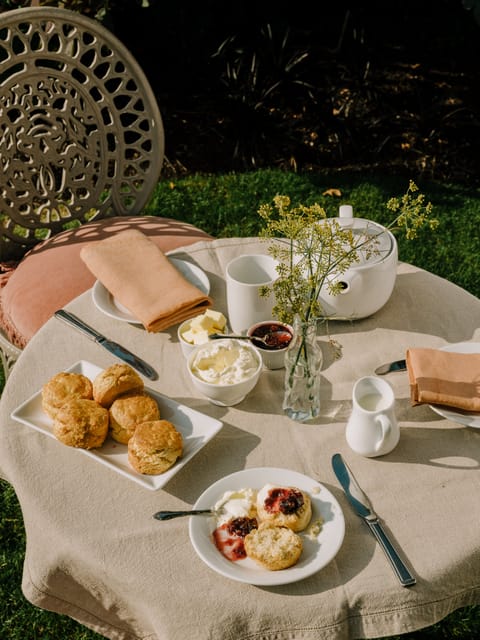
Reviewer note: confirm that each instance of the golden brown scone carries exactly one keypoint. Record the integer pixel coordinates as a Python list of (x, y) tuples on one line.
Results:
[(273, 547), (129, 410), (113, 382), (154, 447), (81, 423), (284, 507), (62, 387)]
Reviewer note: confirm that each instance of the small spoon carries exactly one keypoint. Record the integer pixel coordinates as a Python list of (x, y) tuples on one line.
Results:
[(169, 515), (266, 339)]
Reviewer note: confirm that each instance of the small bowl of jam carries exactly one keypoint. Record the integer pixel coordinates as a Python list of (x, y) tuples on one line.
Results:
[(273, 340)]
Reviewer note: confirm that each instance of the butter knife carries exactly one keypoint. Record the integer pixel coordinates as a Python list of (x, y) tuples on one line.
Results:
[(398, 365), (363, 508), (115, 348)]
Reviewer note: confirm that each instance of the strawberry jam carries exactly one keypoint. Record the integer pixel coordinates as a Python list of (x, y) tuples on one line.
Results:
[(229, 536), (276, 336), (285, 500)]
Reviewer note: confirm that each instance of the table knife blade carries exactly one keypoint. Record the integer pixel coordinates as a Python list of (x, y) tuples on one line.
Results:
[(363, 508), (397, 365), (111, 346)]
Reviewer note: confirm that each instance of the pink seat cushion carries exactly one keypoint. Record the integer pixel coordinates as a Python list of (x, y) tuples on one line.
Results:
[(52, 273)]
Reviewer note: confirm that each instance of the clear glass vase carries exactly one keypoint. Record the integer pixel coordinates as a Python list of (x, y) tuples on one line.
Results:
[(303, 363)]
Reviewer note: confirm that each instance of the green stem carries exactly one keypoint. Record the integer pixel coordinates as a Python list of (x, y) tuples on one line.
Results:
[(302, 348)]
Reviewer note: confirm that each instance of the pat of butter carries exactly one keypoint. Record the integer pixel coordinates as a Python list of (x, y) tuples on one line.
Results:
[(202, 322), (199, 337), (199, 328), (219, 320), (188, 336)]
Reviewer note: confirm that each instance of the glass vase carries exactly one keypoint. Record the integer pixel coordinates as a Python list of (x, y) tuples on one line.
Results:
[(303, 363)]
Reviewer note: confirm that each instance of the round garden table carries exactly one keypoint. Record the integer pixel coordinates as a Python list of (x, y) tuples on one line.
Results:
[(95, 553)]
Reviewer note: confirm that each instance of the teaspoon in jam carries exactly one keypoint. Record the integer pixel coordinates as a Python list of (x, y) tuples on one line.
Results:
[(269, 339)]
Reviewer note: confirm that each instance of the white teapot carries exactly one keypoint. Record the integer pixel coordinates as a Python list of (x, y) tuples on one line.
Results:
[(368, 284)]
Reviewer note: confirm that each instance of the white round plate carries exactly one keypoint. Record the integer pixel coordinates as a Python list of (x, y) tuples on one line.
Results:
[(457, 415), (316, 554), (105, 302)]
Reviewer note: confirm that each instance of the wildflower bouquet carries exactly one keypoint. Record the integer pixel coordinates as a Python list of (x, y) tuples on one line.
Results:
[(312, 252)]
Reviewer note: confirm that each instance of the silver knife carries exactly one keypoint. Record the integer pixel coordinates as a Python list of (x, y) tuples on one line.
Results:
[(398, 365), (115, 348), (363, 508)]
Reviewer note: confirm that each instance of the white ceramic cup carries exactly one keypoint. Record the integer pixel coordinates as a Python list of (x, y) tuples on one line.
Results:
[(372, 429), (244, 277)]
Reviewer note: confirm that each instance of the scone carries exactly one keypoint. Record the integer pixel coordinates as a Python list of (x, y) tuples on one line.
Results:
[(284, 507), (273, 547), (154, 447), (129, 410), (81, 423), (62, 387), (113, 382)]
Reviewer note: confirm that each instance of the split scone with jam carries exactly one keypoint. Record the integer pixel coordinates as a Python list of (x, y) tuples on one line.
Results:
[(284, 507)]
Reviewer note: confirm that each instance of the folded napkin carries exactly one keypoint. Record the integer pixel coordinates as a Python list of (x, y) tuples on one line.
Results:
[(139, 275), (444, 377)]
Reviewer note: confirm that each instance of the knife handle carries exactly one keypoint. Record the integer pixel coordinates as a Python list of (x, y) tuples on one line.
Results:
[(75, 322), (403, 574)]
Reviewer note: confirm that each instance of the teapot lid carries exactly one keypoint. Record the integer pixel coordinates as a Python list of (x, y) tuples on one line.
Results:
[(384, 241)]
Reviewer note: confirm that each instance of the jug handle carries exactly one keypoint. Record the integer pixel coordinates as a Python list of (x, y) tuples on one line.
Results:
[(386, 426)]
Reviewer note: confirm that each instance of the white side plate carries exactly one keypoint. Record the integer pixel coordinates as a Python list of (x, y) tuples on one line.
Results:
[(196, 428), (105, 302), (316, 554), (457, 415)]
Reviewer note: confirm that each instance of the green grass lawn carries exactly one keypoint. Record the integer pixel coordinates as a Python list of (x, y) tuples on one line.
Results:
[(226, 205)]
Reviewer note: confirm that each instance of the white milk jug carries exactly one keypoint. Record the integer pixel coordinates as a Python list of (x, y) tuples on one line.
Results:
[(372, 429)]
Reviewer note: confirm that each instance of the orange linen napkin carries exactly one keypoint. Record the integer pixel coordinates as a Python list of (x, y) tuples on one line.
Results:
[(139, 275), (443, 377)]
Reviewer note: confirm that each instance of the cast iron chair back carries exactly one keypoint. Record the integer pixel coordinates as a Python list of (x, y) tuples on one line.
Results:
[(81, 136)]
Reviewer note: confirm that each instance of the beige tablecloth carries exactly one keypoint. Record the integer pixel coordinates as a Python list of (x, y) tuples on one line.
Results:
[(94, 551)]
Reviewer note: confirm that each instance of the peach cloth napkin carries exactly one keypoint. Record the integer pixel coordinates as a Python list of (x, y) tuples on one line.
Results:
[(443, 377), (140, 276)]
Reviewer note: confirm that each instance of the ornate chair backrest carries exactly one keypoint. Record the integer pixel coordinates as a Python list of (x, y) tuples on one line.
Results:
[(81, 136)]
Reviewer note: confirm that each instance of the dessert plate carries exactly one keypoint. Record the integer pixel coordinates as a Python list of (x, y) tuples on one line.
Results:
[(196, 428), (466, 418), (317, 552), (105, 302)]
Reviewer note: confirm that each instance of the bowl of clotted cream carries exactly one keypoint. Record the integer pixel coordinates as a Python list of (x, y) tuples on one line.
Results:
[(225, 370)]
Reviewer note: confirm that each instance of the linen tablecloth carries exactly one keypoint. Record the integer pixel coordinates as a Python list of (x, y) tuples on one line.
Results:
[(95, 553)]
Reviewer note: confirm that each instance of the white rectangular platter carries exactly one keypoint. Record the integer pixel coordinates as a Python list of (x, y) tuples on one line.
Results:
[(196, 429)]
